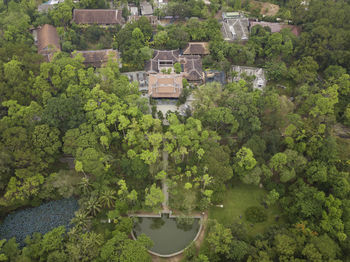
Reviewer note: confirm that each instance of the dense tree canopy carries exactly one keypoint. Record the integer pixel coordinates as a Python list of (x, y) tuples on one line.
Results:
[(67, 130)]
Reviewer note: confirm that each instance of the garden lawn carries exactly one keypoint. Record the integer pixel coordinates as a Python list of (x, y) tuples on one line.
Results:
[(237, 200)]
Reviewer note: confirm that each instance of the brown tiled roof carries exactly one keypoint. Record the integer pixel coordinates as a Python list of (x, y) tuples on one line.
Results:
[(200, 48), (277, 27), (161, 55), (97, 16), (48, 41), (165, 85), (193, 68), (97, 58)]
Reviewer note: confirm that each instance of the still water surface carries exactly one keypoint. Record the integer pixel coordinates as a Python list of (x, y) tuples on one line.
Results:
[(168, 235)]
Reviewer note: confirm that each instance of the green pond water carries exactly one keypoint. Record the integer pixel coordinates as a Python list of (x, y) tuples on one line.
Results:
[(168, 234)]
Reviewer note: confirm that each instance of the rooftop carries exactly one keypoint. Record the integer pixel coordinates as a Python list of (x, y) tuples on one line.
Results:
[(97, 16), (48, 41), (197, 48), (165, 85), (235, 29), (192, 68), (162, 58)]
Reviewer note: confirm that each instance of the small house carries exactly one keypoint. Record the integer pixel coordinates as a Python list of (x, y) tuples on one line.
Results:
[(164, 85)]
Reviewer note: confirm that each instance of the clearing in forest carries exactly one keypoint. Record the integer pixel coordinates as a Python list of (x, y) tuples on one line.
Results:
[(237, 199), (266, 8)]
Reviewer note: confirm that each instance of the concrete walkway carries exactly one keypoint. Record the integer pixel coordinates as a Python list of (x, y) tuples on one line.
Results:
[(165, 203)]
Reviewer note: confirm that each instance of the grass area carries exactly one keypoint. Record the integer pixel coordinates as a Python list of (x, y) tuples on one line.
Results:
[(343, 147), (237, 200)]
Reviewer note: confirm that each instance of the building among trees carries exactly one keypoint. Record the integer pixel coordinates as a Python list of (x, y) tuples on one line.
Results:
[(164, 85), (97, 16), (48, 41), (162, 59), (192, 67), (197, 48), (234, 26)]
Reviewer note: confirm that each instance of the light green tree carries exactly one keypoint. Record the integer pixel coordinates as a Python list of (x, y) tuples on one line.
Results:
[(154, 196)]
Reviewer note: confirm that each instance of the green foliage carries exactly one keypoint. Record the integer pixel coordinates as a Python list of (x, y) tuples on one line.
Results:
[(177, 67), (219, 238), (154, 196), (290, 138), (255, 214)]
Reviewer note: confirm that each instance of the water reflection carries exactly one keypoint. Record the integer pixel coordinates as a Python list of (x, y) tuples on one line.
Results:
[(157, 223), (169, 235)]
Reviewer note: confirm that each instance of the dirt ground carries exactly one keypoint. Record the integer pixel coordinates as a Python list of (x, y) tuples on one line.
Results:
[(198, 242), (267, 9)]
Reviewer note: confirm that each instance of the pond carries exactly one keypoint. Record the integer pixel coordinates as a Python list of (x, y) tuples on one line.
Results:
[(40, 219), (169, 235)]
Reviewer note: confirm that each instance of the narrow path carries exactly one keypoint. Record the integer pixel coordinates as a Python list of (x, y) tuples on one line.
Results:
[(165, 203)]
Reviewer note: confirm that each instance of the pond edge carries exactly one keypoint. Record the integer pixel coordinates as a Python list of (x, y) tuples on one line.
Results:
[(170, 216)]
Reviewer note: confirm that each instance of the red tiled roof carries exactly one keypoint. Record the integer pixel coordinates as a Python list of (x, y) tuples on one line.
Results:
[(97, 16), (165, 85)]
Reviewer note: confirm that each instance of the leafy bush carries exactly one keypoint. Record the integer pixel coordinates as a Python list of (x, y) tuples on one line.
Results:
[(40, 219), (255, 214)]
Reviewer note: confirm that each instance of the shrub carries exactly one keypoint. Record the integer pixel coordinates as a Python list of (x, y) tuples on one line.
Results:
[(255, 214)]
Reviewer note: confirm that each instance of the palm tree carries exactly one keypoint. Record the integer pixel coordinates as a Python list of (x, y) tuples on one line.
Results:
[(93, 205), (107, 198), (85, 185), (81, 219), (94, 238)]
